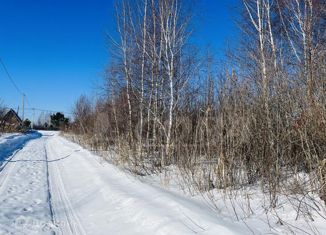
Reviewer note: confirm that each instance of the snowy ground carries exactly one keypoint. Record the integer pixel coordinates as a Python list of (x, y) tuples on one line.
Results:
[(49, 185)]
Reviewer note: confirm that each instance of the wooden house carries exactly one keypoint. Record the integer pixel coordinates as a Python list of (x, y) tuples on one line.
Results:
[(10, 121)]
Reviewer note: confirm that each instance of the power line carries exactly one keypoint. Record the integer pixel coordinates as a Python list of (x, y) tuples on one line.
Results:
[(10, 77), (48, 111), (23, 94), (16, 87), (42, 110), (27, 100)]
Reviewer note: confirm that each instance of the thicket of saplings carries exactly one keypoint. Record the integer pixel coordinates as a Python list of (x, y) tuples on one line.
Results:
[(259, 118)]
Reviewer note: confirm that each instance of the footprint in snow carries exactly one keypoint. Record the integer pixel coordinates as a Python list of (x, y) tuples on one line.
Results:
[(27, 209), (27, 192), (10, 189), (49, 227), (37, 201)]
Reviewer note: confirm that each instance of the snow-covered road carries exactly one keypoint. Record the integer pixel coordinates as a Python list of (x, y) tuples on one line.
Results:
[(53, 186)]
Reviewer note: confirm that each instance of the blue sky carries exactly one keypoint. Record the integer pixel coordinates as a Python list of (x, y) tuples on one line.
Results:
[(56, 50)]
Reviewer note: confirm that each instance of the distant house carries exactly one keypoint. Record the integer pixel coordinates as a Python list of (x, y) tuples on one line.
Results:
[(10, 121)]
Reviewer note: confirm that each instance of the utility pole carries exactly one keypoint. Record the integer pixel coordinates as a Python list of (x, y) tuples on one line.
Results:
[(23, 107), (33, 118)]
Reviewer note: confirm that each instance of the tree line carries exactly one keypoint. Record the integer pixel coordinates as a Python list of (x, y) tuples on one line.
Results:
[(258, 117)]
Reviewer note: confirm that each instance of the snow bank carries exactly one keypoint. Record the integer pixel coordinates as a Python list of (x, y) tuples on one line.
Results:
[(102, 199), (11, 143)]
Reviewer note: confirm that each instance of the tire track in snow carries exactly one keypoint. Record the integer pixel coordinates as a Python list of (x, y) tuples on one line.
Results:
[(64, 215), (49, 196)]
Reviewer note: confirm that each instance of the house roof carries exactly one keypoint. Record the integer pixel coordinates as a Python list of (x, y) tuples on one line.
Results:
[(11, 113)]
